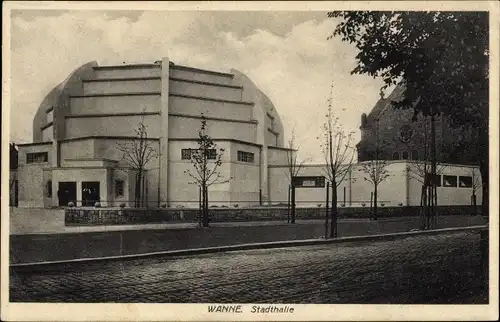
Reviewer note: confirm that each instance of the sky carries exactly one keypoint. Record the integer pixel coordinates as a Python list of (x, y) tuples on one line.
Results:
[(286, 54)]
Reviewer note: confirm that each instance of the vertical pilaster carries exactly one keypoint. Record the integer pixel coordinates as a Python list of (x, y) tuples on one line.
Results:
[(78, 194), (163, 161)]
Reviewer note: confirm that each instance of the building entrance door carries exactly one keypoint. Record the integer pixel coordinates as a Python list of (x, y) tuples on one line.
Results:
[(66, 193), (90, 193)]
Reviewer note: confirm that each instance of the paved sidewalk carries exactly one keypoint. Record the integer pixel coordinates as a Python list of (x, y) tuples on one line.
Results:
[(181, 225), (90, 244)]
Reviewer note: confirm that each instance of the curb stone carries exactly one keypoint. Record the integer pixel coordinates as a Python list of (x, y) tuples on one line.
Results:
[(239, 247)]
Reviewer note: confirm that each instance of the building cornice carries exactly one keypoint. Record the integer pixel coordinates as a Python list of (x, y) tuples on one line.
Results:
[(109, 115), (273, 131), (131, 66), (117, 94), (212, 118), (204, 83), (91, 159), (35, 143), (203, 71), (280, 148), (46, 126), (124, 79), (212, 99), (104, 137), (219, 140)]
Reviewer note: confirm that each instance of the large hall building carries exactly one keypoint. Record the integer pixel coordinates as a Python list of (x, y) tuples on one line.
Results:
[(81, 124)]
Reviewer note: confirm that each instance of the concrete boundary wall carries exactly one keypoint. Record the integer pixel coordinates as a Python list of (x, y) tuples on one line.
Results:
[(116, 216)]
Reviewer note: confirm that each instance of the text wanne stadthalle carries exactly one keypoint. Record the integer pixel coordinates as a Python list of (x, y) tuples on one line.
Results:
[(250, 309)]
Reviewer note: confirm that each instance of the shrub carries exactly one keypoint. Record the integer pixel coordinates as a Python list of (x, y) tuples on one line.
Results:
[(164, 206), (236, 206), (71, 204), (363, 204), (97, 204), (400, 204), (382, 204), (122, 205)]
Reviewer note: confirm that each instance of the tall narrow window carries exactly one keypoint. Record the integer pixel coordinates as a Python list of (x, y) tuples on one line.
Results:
[(405, 155), (395, 156), (49, 189), (119, 187), (414, 155)]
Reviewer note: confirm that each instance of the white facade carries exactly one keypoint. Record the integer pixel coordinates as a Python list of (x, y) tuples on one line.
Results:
[(401, 188)]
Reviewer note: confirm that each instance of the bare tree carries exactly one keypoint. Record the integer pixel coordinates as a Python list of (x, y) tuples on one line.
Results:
[(375, 173), (427, 171), (338, 150), (206, 160), (294, 165), (476, 185), (137, 155), (421, 171)]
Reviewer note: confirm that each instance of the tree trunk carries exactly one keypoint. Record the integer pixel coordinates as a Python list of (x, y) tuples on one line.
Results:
[(333, 221), (483, 168), (137, 194), (326, 208), (423, 207), (474, 203), (375, 192), (205, 206), (483, 151), (293, 204)]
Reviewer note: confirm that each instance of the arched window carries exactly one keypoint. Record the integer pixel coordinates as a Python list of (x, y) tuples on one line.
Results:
[(395, 155), (414, 155), (405, 133), (405, 155)]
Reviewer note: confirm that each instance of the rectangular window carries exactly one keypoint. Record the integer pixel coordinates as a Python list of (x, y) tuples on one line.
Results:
[(186, 154), (309, 182), (449, 181), (119, 187), (437, 180), (245, 157), (37, 157), (465, 182)]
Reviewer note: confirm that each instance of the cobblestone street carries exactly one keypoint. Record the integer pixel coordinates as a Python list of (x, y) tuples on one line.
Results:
[(443, 268)]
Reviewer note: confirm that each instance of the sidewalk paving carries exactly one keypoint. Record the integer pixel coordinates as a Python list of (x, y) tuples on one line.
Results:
[(121, 241), (178, 225)]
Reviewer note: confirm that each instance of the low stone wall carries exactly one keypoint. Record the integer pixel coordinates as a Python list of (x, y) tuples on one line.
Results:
[(34, 220), (116, 216)]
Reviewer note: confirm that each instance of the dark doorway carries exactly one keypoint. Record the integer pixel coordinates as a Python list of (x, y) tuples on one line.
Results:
[(66, 193), (90, 193)]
